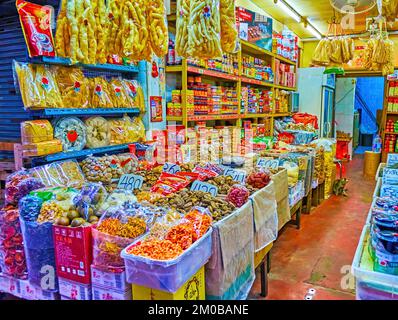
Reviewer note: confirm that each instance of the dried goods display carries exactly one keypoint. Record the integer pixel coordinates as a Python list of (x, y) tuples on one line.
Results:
[(12, 190), (74, 87), (98, 132), (100, 93), (182, 31), (379, 54), (157, 23), (238, 195), (102, 169), (258, 179), (223, 183)]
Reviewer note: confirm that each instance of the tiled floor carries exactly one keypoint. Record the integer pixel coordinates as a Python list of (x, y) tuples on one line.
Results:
[(320, 253)]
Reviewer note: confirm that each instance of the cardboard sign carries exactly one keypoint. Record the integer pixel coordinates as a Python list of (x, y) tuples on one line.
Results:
[(171, 168), (268, 163), (237, 175), (205, 187), (130, 182), (392, 160)]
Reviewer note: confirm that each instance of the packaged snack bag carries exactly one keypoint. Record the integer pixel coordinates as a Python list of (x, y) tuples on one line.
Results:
[(36, 26), (25, 78), (50, 96), (157, 23), (229, 32)]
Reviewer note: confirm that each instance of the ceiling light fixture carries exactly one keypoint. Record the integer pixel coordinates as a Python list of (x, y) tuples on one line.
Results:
[(314, 31), (289, 10)]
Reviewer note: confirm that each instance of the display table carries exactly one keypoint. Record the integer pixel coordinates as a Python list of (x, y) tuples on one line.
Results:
[(280, 180), (261, 259)]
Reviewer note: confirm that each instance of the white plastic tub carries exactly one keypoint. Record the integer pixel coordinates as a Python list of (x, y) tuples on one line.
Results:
[(168, 275), (371, 285)]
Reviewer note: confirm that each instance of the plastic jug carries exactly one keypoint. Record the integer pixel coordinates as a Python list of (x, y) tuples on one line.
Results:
[(377, 143)]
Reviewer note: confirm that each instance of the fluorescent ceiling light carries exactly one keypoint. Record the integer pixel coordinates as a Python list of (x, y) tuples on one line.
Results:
[(314, 31), (289, 10)]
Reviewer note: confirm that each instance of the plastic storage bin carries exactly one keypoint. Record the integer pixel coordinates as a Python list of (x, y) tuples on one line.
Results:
[(169, 275), (371, 285)]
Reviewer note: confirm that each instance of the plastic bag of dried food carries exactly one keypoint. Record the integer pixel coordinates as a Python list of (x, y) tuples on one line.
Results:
[(229, 32), (89, 200), (98, 134), (157, 22), (322, 53), (24, 74), (182, 32), (118, 131), (118, 94), (36, 26), (70, 173), (102, 169), (135, 94), (134, 20), (100, 93), (50, 96), (336, 51), (74, 87), (204, 29), (135, 129), (71, 131)]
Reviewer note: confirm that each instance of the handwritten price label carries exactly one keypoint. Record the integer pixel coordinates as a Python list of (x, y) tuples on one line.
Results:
[(205, 187), (237, 175), (268, 163), (130, 182), (392, 160), (171, 168), (390, 176)]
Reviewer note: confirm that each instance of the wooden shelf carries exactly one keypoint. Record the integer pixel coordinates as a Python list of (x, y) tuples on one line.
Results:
[(173, 118), (214, 74), (215, 117), (173, 69), (280, 115), (284, 88), (392, 113), (256, 82), (256, 115), (285, 60)]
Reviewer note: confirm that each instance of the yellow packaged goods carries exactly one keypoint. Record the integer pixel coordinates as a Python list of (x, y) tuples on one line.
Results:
[(100, 93), (135, 129), (62, 33), (50, 96), (204, 29), (136, 43), (158, 27), (98, 134), (74, 87), (36, 131), (42, 148), (229, 33), (118, 94), (114, 30), (181, 42), (135, 94), (118, 131), (102, 21), (322, 53), (27, 85)]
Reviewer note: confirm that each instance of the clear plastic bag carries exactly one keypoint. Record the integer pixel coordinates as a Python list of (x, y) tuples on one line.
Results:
[(29, 207), (102, 169), (89, 200), (100, 93), (118, 131), (322, 53), (12, 191), (11, 244), (129, 162), (71, 131), (182, 32), (229, 32), (50, 96), (25, 76), (204, 29), (135, 94), (118, 94), (157, 22), (116, 199), (98, 134), (238, 195), (135, 129)]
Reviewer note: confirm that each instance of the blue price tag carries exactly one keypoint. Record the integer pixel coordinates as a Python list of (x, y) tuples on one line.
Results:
[(390, 176), (205, 187), (392, 160), (237, 175), (130, 182), (171, 168), (268, 163)]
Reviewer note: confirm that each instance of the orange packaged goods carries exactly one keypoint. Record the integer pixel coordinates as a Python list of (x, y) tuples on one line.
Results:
[(156, 249), (169, 183), (306, 118), (36, 26)]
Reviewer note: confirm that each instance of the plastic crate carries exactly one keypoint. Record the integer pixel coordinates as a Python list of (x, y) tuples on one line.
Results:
[(371, 285), (169, 275), (378, 187)]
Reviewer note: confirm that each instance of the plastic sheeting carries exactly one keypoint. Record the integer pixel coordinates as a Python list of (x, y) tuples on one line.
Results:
[(282, 197), (230, 271)]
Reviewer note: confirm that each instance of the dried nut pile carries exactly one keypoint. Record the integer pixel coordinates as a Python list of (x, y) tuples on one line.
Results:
[(102, 169), (223, 183), (150, 176), (185, 200)]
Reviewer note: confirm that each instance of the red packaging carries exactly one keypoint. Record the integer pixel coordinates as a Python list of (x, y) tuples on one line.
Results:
[(36, 26), (205, 174), (73, 253), (169, 183), (191, 176)]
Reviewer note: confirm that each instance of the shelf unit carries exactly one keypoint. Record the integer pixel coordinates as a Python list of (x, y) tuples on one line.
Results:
[(387, 115), (246, 48)]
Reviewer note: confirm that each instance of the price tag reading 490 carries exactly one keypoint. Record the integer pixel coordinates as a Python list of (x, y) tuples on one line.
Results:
[(130, 182), (171, 168), (237, 175), (205, 187)]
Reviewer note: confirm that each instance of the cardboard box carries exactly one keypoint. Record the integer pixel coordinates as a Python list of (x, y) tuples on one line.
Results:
[(32, 292), (101, 293), (112, 280), (193, 289), (73, 253), (74, 290), (10, 285)]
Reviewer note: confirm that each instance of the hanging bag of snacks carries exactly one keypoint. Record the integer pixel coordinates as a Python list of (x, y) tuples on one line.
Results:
[(229, 32), (157, 22)]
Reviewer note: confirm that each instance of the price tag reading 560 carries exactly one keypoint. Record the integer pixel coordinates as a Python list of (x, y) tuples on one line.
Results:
[(205, 187), (130, 182)]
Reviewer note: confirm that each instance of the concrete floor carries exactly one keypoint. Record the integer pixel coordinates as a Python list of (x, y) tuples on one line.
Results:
[(320, 253)]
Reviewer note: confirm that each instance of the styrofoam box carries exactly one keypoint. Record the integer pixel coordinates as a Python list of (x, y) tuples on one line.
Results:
[(371, 285), (10, 285), (32, 292), (101, 293), (111, 280), (74, 290)]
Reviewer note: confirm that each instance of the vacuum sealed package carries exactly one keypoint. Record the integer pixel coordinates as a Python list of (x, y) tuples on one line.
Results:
[(157, 22), (98, 134), (25, 78), (74, 87), (182, 32), (36, 27), (204, 29), (229, 32), (71, 131)]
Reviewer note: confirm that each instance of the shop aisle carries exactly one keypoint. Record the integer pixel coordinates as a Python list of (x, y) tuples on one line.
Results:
[(314, 256)]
